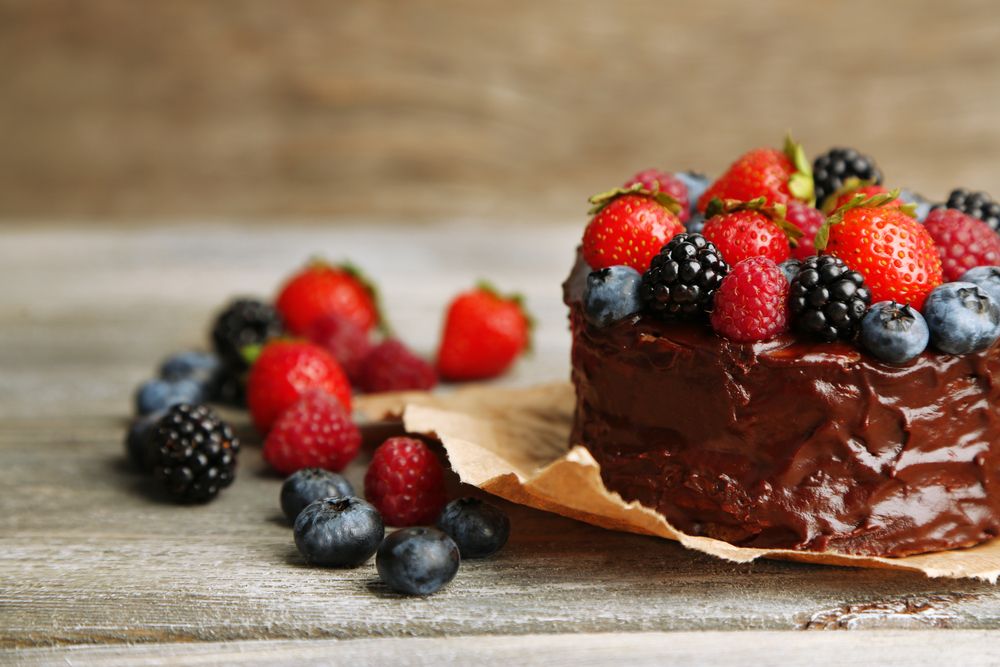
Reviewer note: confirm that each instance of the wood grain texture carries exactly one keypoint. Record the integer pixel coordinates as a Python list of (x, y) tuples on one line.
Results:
[(92, 557), (167, 108)]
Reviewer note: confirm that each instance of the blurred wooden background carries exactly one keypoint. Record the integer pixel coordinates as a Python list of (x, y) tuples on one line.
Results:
[(166, 109)]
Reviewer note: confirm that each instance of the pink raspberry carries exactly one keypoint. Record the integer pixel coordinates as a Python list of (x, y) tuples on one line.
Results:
[(392, 367), (347, 341), (808, 220), (662, 181), (405, 483), (963, 242), (751, 304), (316, 432)]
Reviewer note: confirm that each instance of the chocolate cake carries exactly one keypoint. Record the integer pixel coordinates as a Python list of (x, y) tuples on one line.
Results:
[(790, 443)]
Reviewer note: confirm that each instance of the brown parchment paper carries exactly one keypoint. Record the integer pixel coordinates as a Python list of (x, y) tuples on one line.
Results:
[(513, 443)]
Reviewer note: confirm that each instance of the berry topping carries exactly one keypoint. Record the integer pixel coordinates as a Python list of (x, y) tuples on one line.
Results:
[(309, 485), (391, 366), (193, 453), (655, 180), (963, 242), (315, 432), (611, 295), (791, 267), (477, 527), (829, 299), (893, 252), (833, 168), (962, 318), (405, 482), (285, 369), (696, 184), (986, 277), (629, 227), (977, 204), (752, 302), (854, 187), (345, 340), (484, 333), (778, 176), (748, 229), (894, 333), (322, 289), (340, 531), (244, 322), (808, 220), (681, 281), (417, 561)]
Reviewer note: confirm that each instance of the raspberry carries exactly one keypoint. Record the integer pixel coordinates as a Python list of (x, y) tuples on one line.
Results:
[(316, 432), (405, 483), (808, 220), (752, 302), (345, 340), (392, 367), (963, 242)]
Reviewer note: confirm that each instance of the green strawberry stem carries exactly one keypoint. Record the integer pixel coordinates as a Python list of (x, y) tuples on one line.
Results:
[(600, 201), (800, 183)]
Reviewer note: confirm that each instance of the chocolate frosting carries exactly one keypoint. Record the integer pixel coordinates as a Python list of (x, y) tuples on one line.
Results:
[(791, 443)]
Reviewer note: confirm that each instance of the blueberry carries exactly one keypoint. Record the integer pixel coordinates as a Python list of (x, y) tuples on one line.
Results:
[(923, 206), (696, 184), (477, 527), (695, 224), (137, 440), (158, 395), (986, 277), (962, 318), (205, 368), (417, 561), (611, 295), (308, 485), (894, 333), (791, 268), (340, 531)]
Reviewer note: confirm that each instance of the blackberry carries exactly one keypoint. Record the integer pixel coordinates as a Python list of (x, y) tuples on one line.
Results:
[(244, 322), (193, 452), (828, 298), (977, 204), (831, 169), (682, 279)]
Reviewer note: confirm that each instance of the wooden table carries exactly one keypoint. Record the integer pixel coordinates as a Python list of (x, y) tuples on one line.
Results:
[(96, 569)]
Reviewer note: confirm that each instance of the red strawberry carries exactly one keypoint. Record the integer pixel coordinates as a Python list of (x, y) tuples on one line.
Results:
[(808, 220), (853, 187), (655, 180), (315, 432), (748, 229), (391, 366), (405, 483), (963, 242), (321, 289), (285, 369), (777, 176), (629, 227), (751, 304), (894, 253), (483, 334), (345, 340)]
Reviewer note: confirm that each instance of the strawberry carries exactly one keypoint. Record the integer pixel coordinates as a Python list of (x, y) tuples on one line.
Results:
[(894, 253), (749, 229), (285, 369), (629, 227), (852, 187), (483, 334), (315, 432), (655, 180), (321, 289), (777, 176)]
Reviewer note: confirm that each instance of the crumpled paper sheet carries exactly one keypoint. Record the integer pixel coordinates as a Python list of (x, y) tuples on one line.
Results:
[(513, 443)]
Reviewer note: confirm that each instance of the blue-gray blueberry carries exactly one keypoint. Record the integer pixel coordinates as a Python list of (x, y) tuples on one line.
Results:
[(479, 528), (611, 295), (308, 485), (894, 333), (340, 531), (417, 561), (962, 318)]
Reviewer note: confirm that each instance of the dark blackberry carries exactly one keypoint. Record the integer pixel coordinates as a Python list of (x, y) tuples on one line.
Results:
[(244, 322), (682, 279), (193, 452), (828, 298), (977, 204), (831, 169)]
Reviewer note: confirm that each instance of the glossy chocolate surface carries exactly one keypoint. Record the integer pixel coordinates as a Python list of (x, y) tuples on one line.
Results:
[(791, 443)]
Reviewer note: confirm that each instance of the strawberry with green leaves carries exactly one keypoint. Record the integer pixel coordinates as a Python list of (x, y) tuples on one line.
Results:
[(629, 227), (484, 333), (322, 289), (894, 253), (749, 229), (854, 186), (778, 176)]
